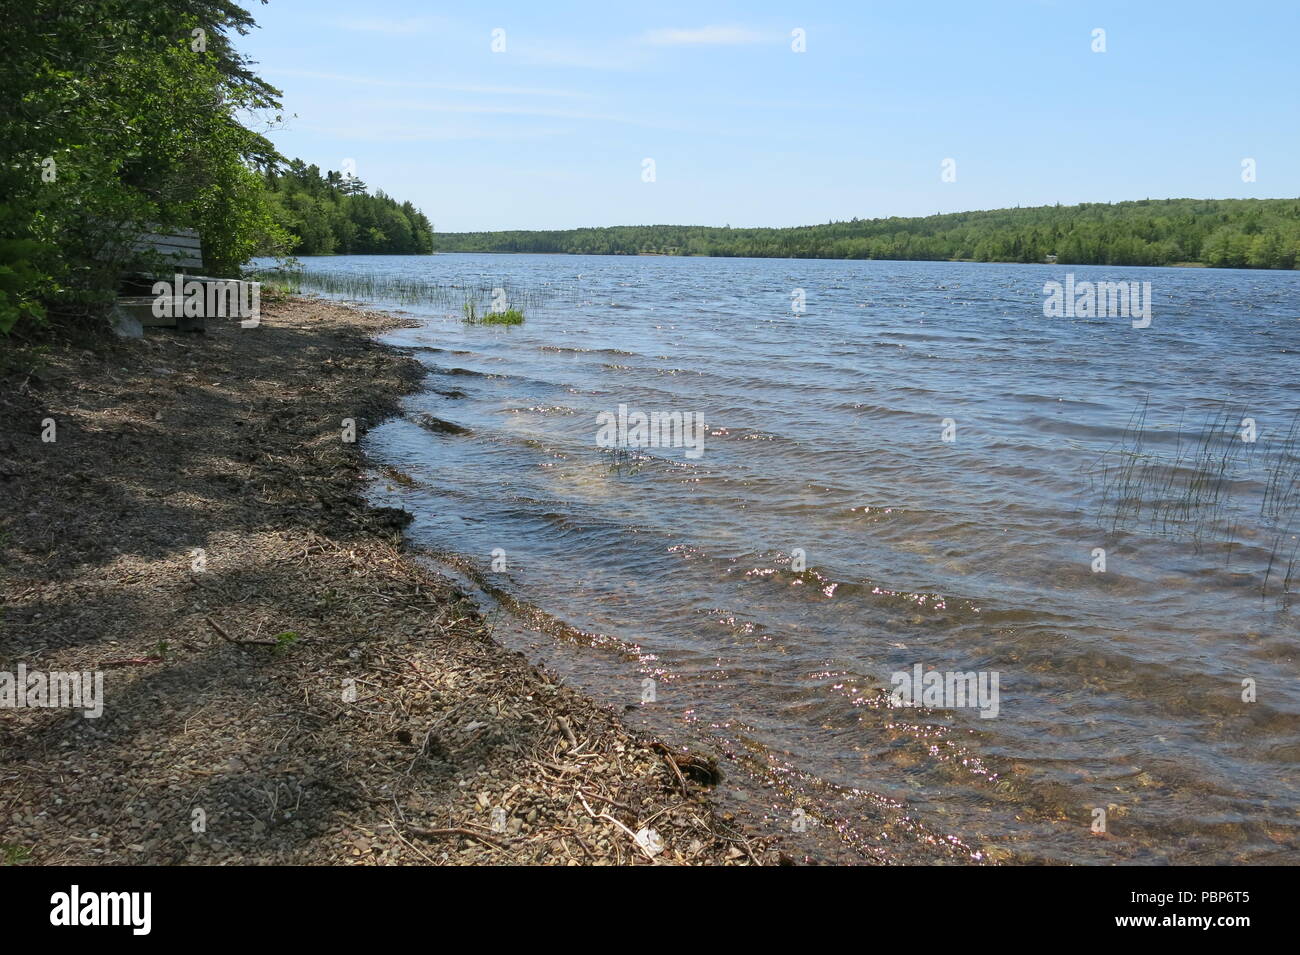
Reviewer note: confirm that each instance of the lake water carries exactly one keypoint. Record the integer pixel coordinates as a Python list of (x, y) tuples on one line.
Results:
[(947, 466)]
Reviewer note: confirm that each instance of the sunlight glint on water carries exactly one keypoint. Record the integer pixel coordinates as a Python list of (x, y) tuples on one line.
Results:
[(1119, 689)]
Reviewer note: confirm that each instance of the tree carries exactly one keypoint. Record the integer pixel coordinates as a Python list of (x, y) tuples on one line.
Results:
[(118, 116)]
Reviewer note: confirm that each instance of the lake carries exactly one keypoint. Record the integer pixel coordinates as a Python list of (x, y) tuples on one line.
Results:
[(918, 467)]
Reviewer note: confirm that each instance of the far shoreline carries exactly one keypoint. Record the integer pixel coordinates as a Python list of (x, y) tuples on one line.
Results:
[(779, 258)]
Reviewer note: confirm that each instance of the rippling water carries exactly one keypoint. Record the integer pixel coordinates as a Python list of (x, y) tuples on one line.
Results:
[(1120, 690)]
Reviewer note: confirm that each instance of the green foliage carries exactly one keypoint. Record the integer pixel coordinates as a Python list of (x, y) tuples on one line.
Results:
[(21, 278), (506, 316), (14, 855), (1244, 233), (511, 316), (333, 214), (286, 641), (115, 117)]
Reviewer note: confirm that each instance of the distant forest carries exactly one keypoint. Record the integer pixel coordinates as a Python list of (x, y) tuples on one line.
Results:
[(1237, 233), (332, 213)]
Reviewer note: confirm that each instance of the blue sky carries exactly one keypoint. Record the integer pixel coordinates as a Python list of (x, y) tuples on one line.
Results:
[(552, 132)]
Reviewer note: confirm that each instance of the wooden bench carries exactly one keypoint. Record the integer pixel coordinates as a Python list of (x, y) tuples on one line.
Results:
[(182, 248), (174, 257), (182, 253)]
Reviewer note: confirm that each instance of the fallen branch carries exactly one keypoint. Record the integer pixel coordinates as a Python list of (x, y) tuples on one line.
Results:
[(225, 636)]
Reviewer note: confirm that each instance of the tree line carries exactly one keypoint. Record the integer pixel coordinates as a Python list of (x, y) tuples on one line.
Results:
[(1239, 233), (332, 213), (123, 117)]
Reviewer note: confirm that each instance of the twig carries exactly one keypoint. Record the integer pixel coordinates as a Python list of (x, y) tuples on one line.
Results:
[(456, 831), (225, 636), (668, 755)]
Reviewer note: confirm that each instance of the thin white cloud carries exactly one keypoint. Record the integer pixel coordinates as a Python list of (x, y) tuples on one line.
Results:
[(481, 110), (703, 36), (402, 133), (388, 24), (353, 80)]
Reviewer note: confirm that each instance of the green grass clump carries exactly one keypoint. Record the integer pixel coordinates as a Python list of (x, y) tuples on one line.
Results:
[(511, 316), (14, 855)]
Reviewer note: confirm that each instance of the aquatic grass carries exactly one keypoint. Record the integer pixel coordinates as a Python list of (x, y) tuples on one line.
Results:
[(1213, 488), (494, 316), (1282, 490), (402, 290), (624, 462), (510, 316), (1140, 484)]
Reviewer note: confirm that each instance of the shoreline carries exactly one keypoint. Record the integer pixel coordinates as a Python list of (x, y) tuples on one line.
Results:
[(796, 258), (284, 683)]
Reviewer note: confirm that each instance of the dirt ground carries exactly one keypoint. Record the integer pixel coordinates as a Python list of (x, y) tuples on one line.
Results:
[(282, 683)]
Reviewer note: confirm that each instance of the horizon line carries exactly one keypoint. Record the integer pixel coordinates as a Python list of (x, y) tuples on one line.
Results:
[(932, 215)]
